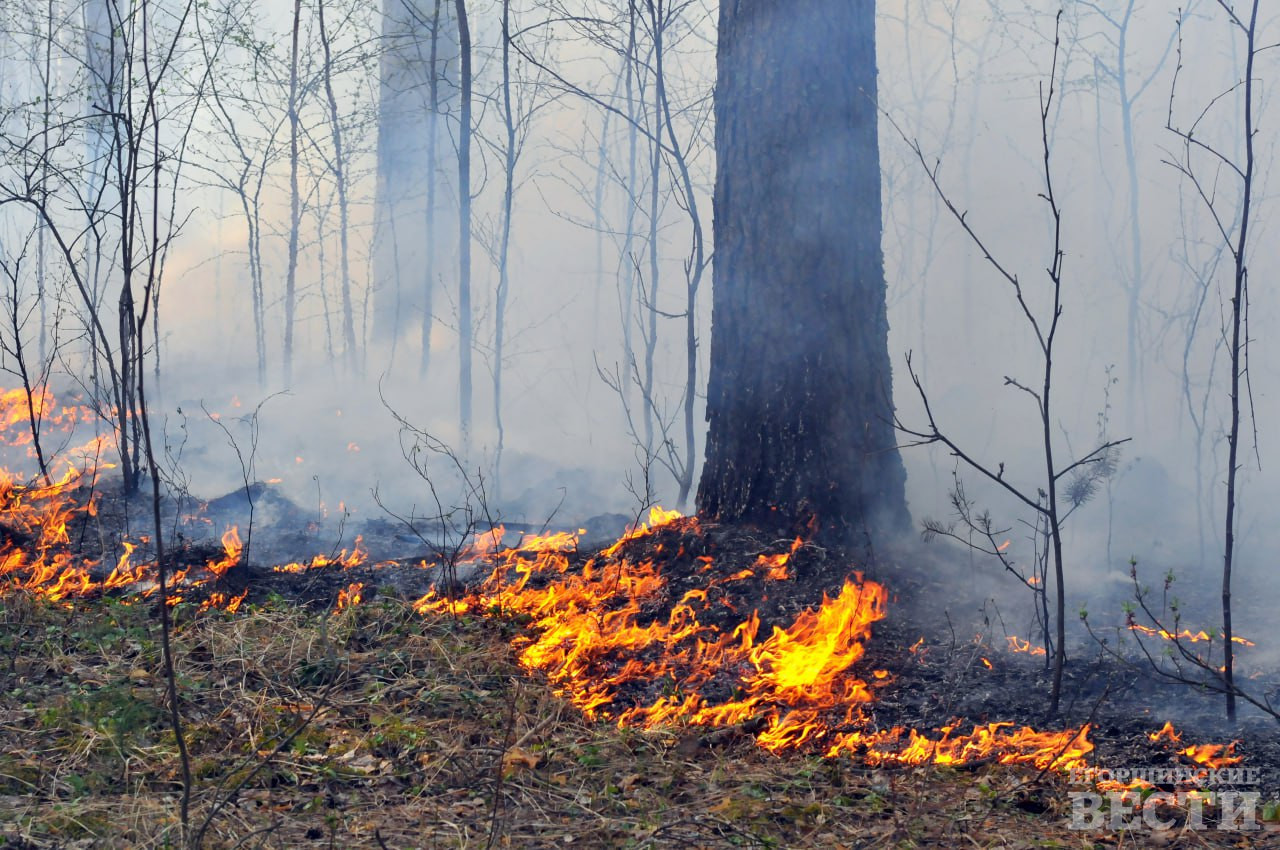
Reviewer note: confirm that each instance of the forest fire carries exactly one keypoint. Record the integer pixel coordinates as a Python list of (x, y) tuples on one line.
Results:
[(617, 635), (37, 555), (337, 289)]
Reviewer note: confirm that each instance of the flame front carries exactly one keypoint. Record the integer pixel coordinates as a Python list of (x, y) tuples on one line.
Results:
[(798, 687)]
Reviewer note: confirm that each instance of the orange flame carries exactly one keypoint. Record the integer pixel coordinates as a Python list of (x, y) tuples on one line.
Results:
[(350, 596), (231, 547), (798, 687), (777, 564), (1186, 634), (1017, 644), (220, 601), (1046, 750), (357, 557), (1213, 755)]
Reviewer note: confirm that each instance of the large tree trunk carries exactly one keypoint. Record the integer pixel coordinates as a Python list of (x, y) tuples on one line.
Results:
[(799, 397)]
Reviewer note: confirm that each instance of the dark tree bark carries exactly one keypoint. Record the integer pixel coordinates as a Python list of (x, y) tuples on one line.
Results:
[(799, 397)]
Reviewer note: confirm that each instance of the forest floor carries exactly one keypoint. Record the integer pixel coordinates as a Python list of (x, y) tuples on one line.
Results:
[(373, 726)]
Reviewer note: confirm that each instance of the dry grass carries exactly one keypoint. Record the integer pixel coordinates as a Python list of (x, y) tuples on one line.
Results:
[(374, 727)]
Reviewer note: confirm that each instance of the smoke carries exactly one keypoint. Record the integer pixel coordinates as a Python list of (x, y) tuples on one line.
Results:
[(1140, 352)]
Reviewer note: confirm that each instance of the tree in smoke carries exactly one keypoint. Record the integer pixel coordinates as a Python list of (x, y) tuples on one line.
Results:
[(464, 228), (799, 392), (1197, 160), (291, 279), (418, 86), (660, 98)]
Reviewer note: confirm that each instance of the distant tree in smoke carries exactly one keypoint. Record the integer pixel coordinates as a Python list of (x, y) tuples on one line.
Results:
[(416, 206)]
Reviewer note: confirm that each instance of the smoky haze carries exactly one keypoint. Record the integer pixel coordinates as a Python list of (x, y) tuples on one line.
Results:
[(595, 347)]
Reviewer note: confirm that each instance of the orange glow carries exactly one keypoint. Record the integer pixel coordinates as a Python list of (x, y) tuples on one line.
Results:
[(590, 638), (38, 558), (657, 517), (231, 547), (1212, 756), (220, 601), (1055, 750), (585, 621), (777, 564)]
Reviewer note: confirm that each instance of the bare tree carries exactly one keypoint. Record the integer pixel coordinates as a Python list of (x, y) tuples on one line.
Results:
[(1202, 165), (519, 101), (248, 118), (295, 216), (31, 369), (1063, 488), (417, 91), (338, 165), (433, 144), (465, 329), (674, 128), (1113, 71)]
